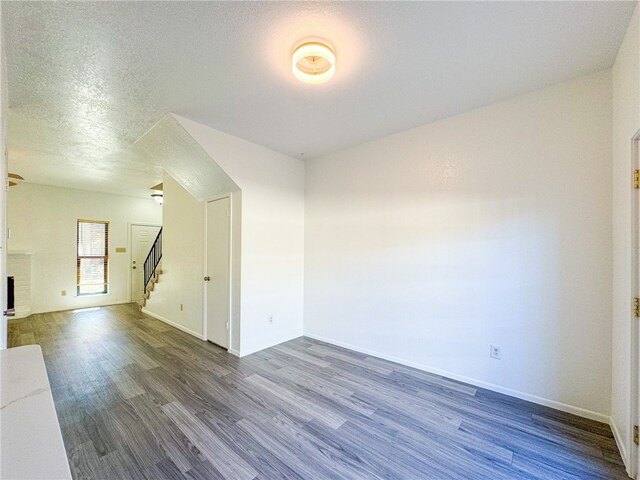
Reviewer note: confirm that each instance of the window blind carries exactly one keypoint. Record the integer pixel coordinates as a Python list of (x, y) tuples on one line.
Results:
[(92, 257)]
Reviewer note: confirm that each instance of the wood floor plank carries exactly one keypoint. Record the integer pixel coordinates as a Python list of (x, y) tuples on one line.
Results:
[(178, 448), (220, 455), (289, 450), (332, 354), (254, 453), (84, 462), (138, 399), (104, 440), (120, 464), (204, 471), (340, 397), (164, 470), (294, 401), (128, 429), (126, 385), (307, 357), (555, 455)]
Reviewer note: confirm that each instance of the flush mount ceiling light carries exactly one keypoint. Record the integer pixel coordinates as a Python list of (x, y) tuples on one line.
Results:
[(313, 62), (158, 197)]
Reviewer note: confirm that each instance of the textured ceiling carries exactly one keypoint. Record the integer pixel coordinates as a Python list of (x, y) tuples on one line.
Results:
[(170, 145), (86, 80)]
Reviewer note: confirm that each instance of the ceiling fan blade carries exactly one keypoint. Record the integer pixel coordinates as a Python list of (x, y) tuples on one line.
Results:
[(16, 176)]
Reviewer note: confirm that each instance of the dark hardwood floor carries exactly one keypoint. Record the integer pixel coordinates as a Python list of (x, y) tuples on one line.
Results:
[(137, 398)]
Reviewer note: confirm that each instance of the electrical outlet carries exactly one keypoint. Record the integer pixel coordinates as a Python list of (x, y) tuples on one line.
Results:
[(63, 293), (495, 351), (270, 319), (181, 307)]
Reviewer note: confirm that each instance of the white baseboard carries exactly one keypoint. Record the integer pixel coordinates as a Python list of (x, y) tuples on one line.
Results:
[(582, 412), (80, 307), (173, 324), (21, 312), (122, 302), (234, 352)]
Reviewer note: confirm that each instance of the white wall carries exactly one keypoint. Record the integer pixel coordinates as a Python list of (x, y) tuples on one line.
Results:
[(43, 220), (626, 122), (272, 223), (193, 178), (183, 247), (182, 261), (493, 226)]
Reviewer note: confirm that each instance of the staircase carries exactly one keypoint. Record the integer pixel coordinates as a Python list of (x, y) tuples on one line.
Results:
[(152, 270), (149, 288)]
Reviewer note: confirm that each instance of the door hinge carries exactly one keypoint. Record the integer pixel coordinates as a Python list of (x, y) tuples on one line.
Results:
[(636, 307), (636, 435), (636, 178)]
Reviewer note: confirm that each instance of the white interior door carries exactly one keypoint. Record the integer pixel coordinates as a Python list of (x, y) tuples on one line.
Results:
[(218, 251), (142, 238)]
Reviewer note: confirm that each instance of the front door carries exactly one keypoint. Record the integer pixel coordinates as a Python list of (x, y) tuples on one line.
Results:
[(142, 238)]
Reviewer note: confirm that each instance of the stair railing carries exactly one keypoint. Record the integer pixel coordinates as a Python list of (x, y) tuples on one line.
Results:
[(152, 260)]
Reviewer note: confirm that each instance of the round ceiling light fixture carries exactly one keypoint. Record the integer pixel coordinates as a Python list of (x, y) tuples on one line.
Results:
[(313, 62)]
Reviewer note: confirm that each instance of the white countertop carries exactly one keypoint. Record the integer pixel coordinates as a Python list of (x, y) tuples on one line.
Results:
[(31, 445)]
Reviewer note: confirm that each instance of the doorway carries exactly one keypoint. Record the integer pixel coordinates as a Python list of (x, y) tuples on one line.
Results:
[(218, 271), (141, 241)]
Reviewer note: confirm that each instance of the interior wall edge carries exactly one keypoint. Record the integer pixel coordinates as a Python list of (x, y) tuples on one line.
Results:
[(582, 412), (617, 436)]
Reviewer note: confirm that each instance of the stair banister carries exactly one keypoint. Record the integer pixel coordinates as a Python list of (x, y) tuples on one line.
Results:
[(152, 260)]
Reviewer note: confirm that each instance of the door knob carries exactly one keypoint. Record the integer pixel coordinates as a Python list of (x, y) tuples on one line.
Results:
[(134, 267)]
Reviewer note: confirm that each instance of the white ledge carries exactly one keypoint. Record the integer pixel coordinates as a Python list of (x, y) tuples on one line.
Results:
[(31, 445)]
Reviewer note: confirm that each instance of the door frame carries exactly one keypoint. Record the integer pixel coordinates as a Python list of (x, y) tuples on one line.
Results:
[(205, 285), (130, 226), (634, 417)]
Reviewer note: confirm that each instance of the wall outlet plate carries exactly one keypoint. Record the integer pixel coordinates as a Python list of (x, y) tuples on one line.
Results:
[(495, 351)]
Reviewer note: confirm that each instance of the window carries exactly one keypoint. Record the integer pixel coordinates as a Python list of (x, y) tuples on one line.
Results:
[(93, 257)]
